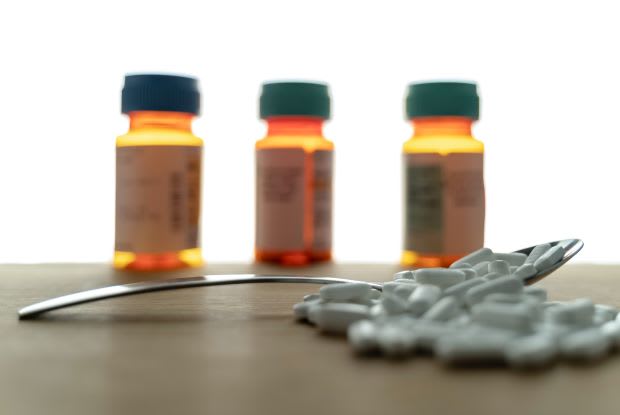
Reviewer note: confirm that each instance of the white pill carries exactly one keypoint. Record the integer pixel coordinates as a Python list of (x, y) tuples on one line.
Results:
[(393, 304), (423, 298), (472, 346), (531, 351), (404, 321), (604, 313), (441, 277), (312, 312), (556, 331), (504, 298), (363, 336), (443, 310), (481, 255), (374, 294), (426, 334), (336, 317), (460, 265), (345, 291), (404, 290), (461, 321), (513, 258), (312, 297), (405, 281), (588, 344), (300, 310), (405, 275), (611, 330), (391, 286), (499, 266), (536, 253), (469, 273), (458, 291), (525, 271), (537, 293), (395, 342), (377, 312), (566, 243), (549, 258), (515, 317), (367, 301), (482, 268), (549, 304), (507, 284), (579, 312), (491, 276)]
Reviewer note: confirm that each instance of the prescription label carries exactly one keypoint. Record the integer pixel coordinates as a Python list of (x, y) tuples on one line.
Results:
[(280, 188), (157, 198), (444, 203), (322, 200)]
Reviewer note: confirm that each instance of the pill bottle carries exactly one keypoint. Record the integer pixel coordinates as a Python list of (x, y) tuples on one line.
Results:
[(444, 200), (158, 173), (294, 175)]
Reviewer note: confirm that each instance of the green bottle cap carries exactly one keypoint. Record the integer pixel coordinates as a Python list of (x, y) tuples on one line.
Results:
[(432, 99), (294, 98)]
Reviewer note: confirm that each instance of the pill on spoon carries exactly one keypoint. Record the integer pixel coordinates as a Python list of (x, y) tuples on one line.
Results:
[(536, 253), (524, 272), (441, 277), (512, 258), (405, 275), (549, 258), (500, 267), (481, 255), (482, 268)]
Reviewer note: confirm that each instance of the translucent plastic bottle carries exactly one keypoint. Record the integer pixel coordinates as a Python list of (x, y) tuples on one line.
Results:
[(294, 175), (158, 173), (444, 198)]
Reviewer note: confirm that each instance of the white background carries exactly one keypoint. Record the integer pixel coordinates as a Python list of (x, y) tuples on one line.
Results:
[(549, 82)]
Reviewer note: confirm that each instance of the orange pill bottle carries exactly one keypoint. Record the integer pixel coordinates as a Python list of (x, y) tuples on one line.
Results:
[(444, 197), (158, 173), (294, 165)]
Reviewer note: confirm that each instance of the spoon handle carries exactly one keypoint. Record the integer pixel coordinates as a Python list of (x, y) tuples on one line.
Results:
[(171, 284)]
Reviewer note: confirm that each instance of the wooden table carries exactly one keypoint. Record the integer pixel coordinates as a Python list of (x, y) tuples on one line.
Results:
[(237, 350)]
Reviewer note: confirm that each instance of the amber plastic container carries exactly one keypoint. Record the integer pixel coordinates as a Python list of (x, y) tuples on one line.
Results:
[(444, 200), (294, 176), (158, 173)]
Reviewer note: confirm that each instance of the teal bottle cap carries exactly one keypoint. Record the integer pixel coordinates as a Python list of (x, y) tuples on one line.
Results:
[(160, 92), (295, 99), (432, 99)]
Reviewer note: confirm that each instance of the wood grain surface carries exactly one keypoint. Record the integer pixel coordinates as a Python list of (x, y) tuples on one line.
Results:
[(237, 350)]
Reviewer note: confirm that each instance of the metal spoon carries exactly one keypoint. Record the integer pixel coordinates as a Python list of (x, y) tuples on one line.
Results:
[(571, 246)]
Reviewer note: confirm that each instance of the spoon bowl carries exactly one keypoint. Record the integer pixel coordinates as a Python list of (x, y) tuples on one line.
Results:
[(571, 247)]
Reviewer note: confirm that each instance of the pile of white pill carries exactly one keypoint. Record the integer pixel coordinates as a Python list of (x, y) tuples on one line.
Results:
[(478, 310)]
